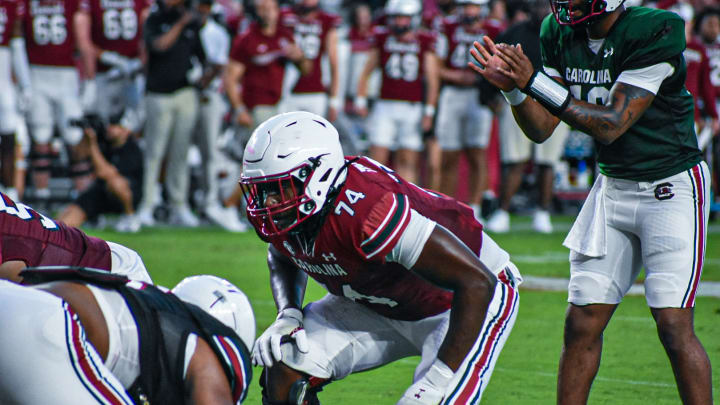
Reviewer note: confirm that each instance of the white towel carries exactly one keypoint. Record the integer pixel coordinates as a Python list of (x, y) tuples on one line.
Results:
[(588, 234)]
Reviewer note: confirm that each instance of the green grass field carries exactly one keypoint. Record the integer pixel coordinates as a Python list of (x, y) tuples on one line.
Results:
[(634, 367)]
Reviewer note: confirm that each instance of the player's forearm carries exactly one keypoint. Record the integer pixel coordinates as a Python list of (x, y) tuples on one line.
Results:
[(332, 46), (167, 40), (231, 78), (432, 78), (535, 121), (81, 25), (448, 263), (287, 282), (608, 122), (469, 308)]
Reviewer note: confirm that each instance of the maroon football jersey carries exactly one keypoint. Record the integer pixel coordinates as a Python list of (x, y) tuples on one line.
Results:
[(713, 53), (264, 62), (366, 221), (37, 240), (49, 35), (460, 41), (697, 80), (402, 64), (310, 34), (10, 12), (116, 26)]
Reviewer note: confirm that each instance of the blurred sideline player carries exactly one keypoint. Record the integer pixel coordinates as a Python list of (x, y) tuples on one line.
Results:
[(649, 206), (316, 34), (406, 56), (256, 69), (31, 239), (115, 31), (13, 61), (54, 30), (408, 271), (515, 148), (79, 336), (463, 124)]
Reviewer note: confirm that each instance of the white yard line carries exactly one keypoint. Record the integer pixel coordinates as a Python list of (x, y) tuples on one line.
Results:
[(706, 288)]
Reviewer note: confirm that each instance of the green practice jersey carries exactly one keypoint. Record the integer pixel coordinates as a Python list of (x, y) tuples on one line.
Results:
[(663, 141)]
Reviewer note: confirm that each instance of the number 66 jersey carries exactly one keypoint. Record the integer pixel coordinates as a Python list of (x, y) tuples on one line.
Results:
[(377, 222)]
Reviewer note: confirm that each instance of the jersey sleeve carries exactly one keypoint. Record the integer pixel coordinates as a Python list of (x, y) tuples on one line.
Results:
[(659, 40), (383, 226), (412, 240), (237, 53), (549, 46)]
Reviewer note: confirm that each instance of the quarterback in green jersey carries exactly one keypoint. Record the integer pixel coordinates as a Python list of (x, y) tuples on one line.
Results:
[(618, 75)]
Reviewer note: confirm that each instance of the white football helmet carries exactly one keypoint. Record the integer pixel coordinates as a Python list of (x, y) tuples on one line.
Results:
[(409, 8), (221, 299), (292, 165)]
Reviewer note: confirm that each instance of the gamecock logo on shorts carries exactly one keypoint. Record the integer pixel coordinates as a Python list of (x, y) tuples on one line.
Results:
[(664, 191)]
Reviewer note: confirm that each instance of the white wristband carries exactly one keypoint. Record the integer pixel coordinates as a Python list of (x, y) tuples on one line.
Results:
[(335, 103), (514, 97), (361, 102), (429, 110)]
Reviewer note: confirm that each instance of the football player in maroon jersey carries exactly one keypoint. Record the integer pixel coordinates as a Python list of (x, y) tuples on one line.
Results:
[(409, 272), (463, 124), (116, 33), (13, 62), (257, 64), (316, 34), (54, 30), (410, 82), (30, 239)]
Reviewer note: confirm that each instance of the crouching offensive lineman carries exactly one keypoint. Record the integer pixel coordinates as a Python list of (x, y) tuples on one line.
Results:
[(82, 336), (29, 239), (409, 271)]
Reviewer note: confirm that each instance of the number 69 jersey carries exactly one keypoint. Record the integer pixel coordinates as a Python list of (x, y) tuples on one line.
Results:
[(662, 142), (49, 34), (402, 64), (350, 254), (116, 25)]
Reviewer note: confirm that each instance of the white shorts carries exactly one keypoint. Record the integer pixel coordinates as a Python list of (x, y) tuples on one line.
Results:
[(127, 262), (515, 147), (396, 125), (462, 122), (55, 101), (316, 103), (345, 337), (659, 225), (112, 94), (45, 357)]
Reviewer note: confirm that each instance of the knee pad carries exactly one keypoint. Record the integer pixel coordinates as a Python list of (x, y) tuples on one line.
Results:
[(80, 168), (303, 391), (41, 159)]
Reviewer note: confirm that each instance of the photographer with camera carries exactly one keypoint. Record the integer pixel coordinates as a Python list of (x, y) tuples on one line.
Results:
[(117, 163), (172, 40)]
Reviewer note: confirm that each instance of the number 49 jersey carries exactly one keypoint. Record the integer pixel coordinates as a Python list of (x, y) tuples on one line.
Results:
[(49, 34), (402, 64), (662, 142), (116, 25), (349, 255)]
